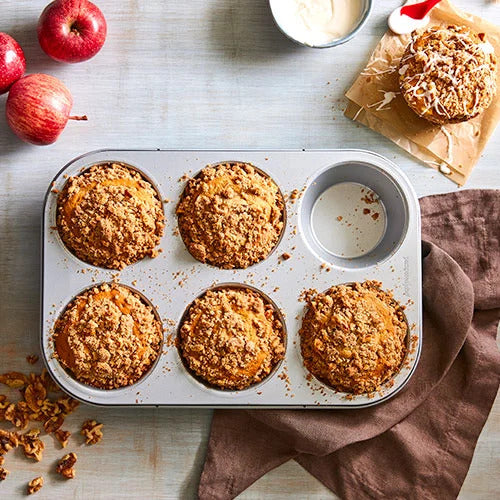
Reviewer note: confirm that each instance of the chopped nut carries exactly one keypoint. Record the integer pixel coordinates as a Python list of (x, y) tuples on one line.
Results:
[(92, 431), (3, 474), (4, 404), (286, 256), (14, 380), (53, 423), (35, 485), (36, 405), (18, 414), (32, 445), (67, 405), (65, 466), (62, 437), (32, 359), (34, 395), (8, 441)]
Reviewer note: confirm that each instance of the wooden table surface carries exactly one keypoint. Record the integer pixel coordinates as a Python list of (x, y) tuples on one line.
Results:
[(197, 74)]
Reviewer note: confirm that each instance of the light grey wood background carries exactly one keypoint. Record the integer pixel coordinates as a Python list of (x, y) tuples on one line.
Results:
[(197, 74)]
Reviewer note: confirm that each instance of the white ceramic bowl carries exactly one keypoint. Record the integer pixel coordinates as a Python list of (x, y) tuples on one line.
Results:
[(367, 8)]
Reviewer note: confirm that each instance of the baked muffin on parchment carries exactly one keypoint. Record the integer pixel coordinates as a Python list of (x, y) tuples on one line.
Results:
[(354, 337), (448, 74)]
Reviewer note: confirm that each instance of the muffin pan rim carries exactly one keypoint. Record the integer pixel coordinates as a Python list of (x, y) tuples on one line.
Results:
[(277, 174)]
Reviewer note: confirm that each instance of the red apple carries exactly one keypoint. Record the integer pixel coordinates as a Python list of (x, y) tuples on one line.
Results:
[(12, 62), (38, 108), (71, 30)]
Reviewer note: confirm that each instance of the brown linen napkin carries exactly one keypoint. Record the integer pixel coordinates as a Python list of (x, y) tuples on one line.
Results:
[(418, 444)]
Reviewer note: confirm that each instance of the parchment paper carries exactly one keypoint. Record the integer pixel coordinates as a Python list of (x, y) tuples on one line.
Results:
[(375, 101)]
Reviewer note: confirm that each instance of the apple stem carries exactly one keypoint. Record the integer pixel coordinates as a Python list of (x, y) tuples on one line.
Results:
[(78, 118)]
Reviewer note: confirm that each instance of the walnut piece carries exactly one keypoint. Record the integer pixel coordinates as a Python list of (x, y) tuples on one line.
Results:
[(37, 406), (14, 380), (65, 466), (32, 359), (53, 423), (18, 414), (62, 437), (8, 441), (4, 404), (92, 431), (3, 474), (34, 395), (35, 485), (32, 445)]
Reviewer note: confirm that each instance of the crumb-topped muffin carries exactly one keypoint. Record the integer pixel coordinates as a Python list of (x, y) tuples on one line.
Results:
[(231, 215), (448, 74), (231, 338), (353, 337), (108, 337), (110, 216)]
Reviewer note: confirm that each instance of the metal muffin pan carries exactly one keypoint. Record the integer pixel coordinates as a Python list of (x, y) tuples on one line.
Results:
[(174, 279)]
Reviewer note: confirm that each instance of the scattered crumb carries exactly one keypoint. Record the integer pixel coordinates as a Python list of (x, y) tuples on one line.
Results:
[(32, 359)]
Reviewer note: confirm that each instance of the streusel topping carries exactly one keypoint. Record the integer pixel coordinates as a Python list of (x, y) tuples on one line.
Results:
[(108, 337), (232, 338), (448, 74), (231, 215), (110, 216), (353, 337)]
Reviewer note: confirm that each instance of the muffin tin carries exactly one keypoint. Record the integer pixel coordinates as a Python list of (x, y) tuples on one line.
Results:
[(300, 262)]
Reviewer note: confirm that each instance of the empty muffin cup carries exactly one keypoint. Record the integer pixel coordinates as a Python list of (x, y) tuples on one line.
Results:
[(232, 337), (353, 215)]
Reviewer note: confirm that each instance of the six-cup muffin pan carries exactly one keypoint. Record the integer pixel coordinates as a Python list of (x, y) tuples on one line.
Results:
[(351, 215)]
